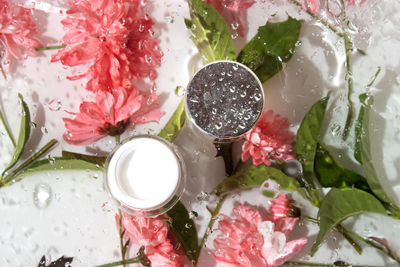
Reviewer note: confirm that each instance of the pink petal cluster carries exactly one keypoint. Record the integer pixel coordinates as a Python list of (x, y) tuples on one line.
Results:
[(110, 114), (151, 233), (314, 5), (269, 140), (248, 240), (115, 37), (17, 31), (233, 12)]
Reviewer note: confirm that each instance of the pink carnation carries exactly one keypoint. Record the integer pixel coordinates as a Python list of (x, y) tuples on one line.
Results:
[(17, 31), (233, 12), (247, 240), (151, 233), (110, 114), (269, 140), (114, 36)]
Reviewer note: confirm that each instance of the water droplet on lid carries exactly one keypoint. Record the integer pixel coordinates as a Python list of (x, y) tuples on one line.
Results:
[(42, 195), (218, 125), (232, 89), (243, 94), (195, 99)]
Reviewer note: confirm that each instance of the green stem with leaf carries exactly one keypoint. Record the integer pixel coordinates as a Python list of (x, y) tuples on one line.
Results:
[(8, 131), (214, 214), (119, 263), (341, 264), (8, 178), (121, 238)]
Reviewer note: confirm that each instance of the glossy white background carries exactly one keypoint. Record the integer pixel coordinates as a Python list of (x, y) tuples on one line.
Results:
[(79, 219)]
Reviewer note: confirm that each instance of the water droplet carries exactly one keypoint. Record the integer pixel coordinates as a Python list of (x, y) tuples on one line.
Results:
[(54, 105), (147, 58), (193, 27), (42, 195), (193, 214), (33, 124), (218, 125), (44, 130), (232, 89), (293, 168), (235, 25), (188, 226), (202, 196), (195, 99), (234, 35), (141, 28), (51, 159), (150, 100), (243, 94)]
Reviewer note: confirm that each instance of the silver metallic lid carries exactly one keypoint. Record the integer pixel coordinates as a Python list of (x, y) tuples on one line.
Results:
[(224, 99)]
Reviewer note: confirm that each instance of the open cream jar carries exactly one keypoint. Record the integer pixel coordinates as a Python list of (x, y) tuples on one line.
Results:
[(145, 175)]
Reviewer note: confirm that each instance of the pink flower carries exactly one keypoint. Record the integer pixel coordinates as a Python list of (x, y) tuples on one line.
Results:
[(111, 114), (269, 140), (247, 240), (17, 31), (233, 12), (115, 37), (151, 233)]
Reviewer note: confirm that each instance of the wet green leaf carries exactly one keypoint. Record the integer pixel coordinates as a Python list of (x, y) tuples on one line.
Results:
[(57, 164), (358, 126), (366, 157), (330, 174), (89, 158), (210, 33), (308, 136), (184, 230), (24, 132), (175, 123), (255, 176), (273, 44), (340, 204)]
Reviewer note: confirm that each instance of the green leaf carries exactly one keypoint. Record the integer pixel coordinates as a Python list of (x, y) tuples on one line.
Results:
[(366, 157), (255, 176), (331, 174), (308, 136), (24, 132), (365, 100), (210, 33), (88, 158), (175, 123), (184, 230), (273, 44), (340, 204), (57, 164)]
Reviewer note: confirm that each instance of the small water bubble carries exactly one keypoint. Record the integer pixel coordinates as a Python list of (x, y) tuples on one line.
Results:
[(218, 125), (335, 129), (234, 35), (203, 196), (195, 99), (188, 226), (33, 124), (150, 100), (242, 125), (54, 105), (42, 195), (193, 27), (44, 130), (243, 94), (234, 25), (51, 159), (141, 28), (147, 58), (193, 214), (298, 43), (179, 91), (232, 89)]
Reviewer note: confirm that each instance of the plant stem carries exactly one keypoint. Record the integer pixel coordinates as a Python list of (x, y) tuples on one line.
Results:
[(349, 78), (121, 235), (294, 263), (117, 139), (315, 16), (8, 131), (119, 263), (209, 226), (2, 71), (367, 241), (50, 47), (29, 161), (340, 229)]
